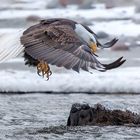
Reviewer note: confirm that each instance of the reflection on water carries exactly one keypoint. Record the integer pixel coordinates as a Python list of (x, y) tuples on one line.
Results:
[(44, 116), (81, 133)]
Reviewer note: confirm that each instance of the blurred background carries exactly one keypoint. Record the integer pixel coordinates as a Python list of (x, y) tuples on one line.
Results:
[(108, 19), (33, 116)]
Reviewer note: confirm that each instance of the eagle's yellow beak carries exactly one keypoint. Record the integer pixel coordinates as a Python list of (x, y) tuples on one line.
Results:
[(93, 47)]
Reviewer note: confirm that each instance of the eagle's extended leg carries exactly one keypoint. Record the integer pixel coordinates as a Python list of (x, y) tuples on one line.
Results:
[(43, 69)]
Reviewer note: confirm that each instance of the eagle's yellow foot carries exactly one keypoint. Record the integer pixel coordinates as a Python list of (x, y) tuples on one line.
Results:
[(43, 69)]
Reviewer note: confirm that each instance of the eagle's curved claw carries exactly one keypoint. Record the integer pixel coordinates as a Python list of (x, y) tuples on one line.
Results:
[(43, 70)]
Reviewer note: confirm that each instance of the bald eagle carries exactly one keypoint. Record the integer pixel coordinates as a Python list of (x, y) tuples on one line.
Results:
[(61, 42)]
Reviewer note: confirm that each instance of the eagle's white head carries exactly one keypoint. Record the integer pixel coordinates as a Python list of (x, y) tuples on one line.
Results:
[(86, 36)]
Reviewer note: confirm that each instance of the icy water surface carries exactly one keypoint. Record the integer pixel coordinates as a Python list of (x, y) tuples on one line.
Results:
[(44, 116)]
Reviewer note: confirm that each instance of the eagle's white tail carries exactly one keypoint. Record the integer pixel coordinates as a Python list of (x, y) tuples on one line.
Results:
[(10, 46)]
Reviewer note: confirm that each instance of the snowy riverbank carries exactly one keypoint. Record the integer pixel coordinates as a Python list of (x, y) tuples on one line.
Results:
[(121, 80)]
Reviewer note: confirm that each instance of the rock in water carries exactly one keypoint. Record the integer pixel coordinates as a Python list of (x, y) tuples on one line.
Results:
[(83, 114), (120, 46)]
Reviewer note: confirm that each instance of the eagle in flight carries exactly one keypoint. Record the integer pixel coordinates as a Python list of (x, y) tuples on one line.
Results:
[(61, 42)]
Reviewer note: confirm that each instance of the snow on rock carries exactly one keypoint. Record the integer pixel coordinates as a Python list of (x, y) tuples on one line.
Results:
[(123, 80)]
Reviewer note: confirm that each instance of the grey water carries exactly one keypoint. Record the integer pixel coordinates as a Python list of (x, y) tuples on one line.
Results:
[(44, 116)]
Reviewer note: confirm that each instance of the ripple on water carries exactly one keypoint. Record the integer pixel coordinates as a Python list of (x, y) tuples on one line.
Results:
[(40, 116)]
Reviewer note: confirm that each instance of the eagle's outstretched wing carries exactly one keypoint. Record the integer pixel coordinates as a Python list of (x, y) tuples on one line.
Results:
[(60, 45)]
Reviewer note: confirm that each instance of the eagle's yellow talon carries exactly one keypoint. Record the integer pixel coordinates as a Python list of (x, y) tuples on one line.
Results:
[(43, 70)]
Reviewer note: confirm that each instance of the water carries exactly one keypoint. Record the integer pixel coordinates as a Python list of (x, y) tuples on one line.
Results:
[(44, 116)]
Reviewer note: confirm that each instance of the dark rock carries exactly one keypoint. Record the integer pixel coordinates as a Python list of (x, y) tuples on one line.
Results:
[(110, 4), (102, 35), (54, 4), (83, 4), (120, 46), (83, 114), (33, 18), (69, 2)]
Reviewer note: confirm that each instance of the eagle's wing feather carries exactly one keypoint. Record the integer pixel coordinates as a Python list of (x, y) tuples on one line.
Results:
[(60, 46), (107, 44)]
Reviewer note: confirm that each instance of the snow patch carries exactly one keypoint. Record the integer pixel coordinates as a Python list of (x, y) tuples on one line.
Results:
[(118, 28), (115, 81)]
